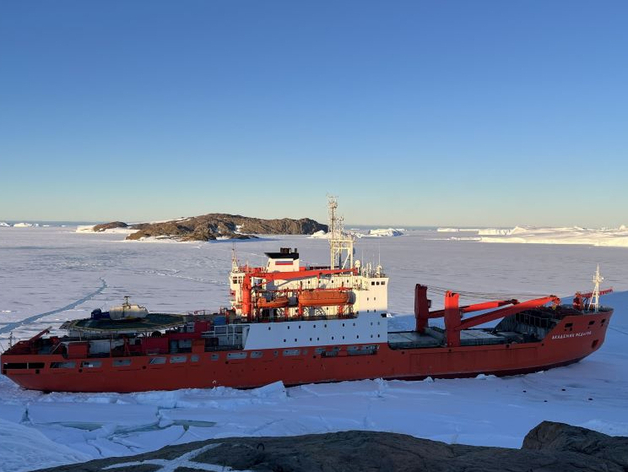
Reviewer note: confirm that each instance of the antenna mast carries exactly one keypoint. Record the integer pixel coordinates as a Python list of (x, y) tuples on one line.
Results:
[(234, 259), (340, 243), (595, 296)]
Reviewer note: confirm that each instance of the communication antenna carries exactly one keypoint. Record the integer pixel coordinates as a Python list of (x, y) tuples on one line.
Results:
[(234, 259), (595, 295), (340, 243)]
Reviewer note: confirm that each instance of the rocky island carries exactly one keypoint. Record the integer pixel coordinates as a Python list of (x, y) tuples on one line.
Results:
[(214, 226)]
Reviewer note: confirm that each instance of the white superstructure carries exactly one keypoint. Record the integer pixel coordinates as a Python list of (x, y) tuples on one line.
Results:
[(285, 304)]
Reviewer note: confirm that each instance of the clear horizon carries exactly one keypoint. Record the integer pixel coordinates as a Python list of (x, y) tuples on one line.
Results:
[(491, 114)]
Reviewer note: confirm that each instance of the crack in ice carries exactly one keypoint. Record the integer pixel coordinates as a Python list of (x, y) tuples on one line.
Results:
[(11, 326)]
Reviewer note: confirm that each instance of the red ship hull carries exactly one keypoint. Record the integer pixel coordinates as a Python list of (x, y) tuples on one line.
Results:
[(574, 338)]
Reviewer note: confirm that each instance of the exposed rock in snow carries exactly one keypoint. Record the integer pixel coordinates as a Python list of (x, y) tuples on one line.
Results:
[(552, 447)]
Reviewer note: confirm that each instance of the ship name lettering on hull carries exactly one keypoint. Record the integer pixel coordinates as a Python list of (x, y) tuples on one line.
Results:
[(572, 335)]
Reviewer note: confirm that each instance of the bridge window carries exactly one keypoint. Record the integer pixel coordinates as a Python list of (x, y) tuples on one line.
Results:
[(157, 360), (91, 364), (178, 359), (121, 362)]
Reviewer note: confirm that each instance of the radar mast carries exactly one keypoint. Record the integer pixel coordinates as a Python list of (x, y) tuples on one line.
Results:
[(595, 296), (340, 243)]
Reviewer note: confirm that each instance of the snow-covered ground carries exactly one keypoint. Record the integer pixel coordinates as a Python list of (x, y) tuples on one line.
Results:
[(48, 275), (612, 237)]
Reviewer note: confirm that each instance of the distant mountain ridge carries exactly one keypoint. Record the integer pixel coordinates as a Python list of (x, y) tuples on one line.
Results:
[(214, 226)]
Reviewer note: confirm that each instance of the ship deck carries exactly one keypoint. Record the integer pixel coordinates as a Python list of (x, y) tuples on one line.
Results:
[(435, 337)]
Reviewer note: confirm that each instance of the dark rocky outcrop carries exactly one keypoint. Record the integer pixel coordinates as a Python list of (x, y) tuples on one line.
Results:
[(112, 225), (216, 225), (550, 447), (549, 436)]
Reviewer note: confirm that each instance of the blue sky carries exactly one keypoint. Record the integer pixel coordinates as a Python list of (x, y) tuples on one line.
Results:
[(491, 113)]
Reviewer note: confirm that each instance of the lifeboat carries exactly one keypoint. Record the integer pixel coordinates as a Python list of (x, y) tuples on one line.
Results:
[(323, 297), (279, 302)]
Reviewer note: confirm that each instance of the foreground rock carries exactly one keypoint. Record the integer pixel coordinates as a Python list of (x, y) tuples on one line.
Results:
[(549, 447), (216, 225)]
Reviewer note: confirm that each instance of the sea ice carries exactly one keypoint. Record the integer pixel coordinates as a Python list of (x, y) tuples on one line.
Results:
[(49, 269)]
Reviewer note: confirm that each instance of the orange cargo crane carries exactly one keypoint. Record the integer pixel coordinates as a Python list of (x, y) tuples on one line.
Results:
[(452, 313)]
